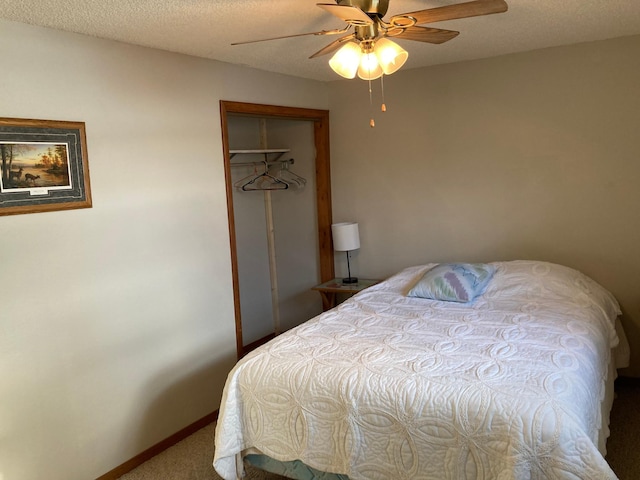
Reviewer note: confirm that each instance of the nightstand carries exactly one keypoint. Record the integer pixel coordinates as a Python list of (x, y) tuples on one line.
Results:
[(328, 290)]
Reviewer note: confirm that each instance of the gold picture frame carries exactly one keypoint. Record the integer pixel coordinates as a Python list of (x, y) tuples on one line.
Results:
[(43, 167)]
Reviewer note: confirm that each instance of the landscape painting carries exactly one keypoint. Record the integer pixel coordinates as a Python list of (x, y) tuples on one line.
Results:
[(43, 167), (34, 165)]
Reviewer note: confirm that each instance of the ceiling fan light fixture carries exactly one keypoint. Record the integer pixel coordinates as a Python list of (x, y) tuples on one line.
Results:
[(369, 68), (390, 55), (345, 61)]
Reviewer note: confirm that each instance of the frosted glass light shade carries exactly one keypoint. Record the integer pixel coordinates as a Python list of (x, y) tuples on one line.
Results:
[(369, 68), (346, 236), (346, 60), (390, 55)]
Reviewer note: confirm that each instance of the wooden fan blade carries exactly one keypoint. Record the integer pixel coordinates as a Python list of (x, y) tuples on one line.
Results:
[(322, 32), (423, 34), (333, 46), (351, 15), (452, 12)]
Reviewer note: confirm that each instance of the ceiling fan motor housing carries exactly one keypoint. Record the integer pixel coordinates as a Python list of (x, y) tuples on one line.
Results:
[(366, 32), (371, 7)]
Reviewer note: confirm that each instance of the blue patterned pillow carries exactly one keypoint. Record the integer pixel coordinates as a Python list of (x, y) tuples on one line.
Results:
[(453, 282)]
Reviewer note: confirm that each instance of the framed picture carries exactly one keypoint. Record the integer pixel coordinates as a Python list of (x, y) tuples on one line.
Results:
[(44, 166)]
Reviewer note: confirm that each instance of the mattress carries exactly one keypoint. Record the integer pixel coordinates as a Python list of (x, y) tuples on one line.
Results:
[(510, 386)]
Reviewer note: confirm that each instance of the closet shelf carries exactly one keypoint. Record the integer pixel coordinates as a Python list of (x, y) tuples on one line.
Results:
[(263, 151)]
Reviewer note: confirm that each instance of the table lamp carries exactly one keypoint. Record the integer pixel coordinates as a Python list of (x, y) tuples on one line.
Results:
[(346, 237)]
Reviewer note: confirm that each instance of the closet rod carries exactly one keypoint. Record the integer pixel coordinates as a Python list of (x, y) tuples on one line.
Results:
[(291, 161)]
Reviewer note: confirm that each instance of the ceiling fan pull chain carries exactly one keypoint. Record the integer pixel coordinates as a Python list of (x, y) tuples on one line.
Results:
[(372, 122), (384, 106)]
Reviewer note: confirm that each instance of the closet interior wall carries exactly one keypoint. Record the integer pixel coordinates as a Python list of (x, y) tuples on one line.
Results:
[(275, 280)]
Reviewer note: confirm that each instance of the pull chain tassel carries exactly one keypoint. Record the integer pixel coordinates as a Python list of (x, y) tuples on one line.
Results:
[(383, 108)]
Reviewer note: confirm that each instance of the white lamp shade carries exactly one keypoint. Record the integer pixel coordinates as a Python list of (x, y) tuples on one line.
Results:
[(390, 55), (346, 60), (369, 68), (346, 236)]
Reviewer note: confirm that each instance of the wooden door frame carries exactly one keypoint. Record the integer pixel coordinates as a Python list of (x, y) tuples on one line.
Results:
[(320, 119)]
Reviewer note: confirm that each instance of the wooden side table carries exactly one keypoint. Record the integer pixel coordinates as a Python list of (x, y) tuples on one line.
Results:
[(329, 290)]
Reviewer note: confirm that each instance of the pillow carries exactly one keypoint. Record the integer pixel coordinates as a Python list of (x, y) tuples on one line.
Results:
[(453, 282)]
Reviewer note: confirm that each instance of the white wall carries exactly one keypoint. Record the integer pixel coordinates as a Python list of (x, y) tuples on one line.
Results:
[(116, 323), (534, 155)]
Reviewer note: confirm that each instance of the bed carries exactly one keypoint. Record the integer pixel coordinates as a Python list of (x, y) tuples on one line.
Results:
[(515, 384)]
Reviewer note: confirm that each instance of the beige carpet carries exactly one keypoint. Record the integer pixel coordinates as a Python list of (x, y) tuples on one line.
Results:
[(191, 459)]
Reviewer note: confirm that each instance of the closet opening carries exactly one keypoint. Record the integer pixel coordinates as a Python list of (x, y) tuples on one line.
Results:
[(278, 186)]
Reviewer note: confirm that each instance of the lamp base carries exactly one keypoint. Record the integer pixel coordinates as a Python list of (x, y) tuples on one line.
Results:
[(350, 280)]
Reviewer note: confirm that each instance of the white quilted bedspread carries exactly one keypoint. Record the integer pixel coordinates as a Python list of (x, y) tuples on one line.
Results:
[(390, 387)]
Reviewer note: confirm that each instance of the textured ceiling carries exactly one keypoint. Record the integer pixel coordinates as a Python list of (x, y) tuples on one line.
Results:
[(206, 28)]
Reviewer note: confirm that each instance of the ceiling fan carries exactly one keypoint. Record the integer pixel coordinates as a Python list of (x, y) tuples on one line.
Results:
[(366, 18), (366, 49)]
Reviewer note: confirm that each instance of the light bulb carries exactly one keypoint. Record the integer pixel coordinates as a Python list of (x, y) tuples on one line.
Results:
[(369, 68), (391, 56), (346, 60)]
